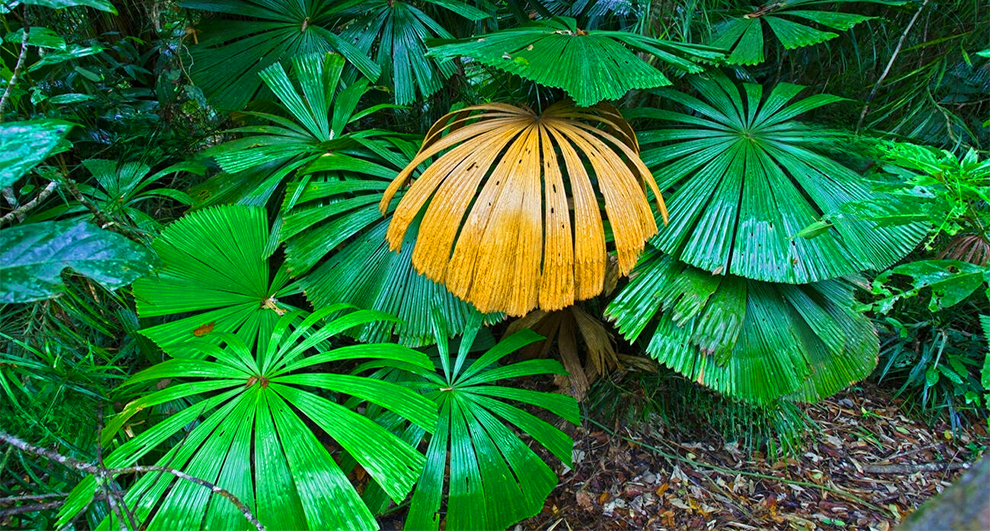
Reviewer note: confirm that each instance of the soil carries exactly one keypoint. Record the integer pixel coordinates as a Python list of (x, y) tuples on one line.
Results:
[(867, 467)]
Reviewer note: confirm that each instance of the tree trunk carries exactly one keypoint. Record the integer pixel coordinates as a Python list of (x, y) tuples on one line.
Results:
[(963, 506)]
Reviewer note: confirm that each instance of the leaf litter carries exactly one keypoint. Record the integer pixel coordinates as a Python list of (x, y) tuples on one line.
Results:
[(867, 467)]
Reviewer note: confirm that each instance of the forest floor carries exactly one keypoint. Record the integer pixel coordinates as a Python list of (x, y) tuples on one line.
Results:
[(867, 467)]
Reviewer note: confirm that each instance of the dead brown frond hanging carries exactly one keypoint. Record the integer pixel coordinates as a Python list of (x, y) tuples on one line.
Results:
[(498, 229)]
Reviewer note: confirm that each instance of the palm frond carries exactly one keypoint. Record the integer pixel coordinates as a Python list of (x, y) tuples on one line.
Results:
[(214, 263), (492, 479), (747, 179), (743, 34), (590, 66), (318, 110), (228, 54), (335, 243), (396, 32), (251, 436), (752, 340), (498, 230), (564, 327)]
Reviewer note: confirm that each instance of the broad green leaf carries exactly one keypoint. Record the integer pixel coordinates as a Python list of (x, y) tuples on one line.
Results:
[(25, 144), (752, 340), (69, 53), (34, 255), (950, 281), (40, 37), (747, 181), (100, 5)]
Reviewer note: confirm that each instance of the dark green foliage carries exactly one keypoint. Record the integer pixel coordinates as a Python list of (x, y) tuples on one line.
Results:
[(690, 410), (262, 353), (249, 36), (789, 22), (397, 32)]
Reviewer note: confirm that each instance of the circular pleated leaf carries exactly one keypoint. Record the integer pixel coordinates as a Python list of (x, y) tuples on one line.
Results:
[(590, 66), (757, 341), (746, 180), (260, 430), (214, 263), (335, 242), (498, 229), (230, 49), (393, 32)]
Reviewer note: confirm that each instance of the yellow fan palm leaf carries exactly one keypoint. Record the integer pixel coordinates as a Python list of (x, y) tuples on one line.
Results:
[(512, 219)]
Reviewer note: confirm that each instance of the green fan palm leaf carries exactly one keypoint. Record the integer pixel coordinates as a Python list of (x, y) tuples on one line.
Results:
[(395, 32), (491, 477), (590, 66), (752, 340), (254, 441), (335, 244), (743, 34), (214, 263), (747, 179), (317, 107), (228, 55)]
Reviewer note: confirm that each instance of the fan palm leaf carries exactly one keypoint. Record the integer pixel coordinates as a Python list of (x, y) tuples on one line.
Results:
[(229, 53), (318, 108), (743, 35), (757, 341), (214, 263), (335, 244), (491, 477), (395, 32), (590, 66), (747, 178), (251, 433), (515, 247)]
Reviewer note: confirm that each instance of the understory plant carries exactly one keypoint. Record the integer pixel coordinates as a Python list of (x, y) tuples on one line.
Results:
[(231, 235)]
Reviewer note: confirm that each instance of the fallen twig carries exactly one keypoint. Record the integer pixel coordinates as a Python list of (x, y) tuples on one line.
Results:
[(911, 468), (17, 70)]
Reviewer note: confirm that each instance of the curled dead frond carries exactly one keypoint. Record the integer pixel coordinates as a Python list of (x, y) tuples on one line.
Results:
[(498, 229), (970, 248)]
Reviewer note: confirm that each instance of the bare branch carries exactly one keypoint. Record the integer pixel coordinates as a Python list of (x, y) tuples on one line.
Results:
[(17, 71), (890, 63), (94, 470), (22, 210)]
